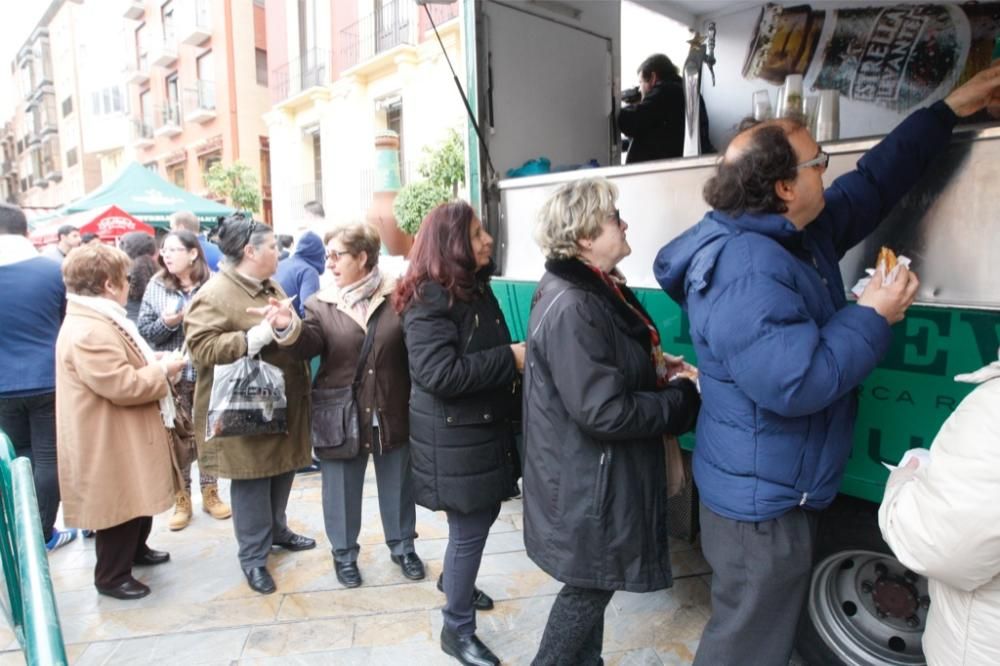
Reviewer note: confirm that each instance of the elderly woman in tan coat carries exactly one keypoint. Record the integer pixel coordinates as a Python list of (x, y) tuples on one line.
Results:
[(240, 312), (113, 407)]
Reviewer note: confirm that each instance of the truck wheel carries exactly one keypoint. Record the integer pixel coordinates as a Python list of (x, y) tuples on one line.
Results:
[(864, 606)]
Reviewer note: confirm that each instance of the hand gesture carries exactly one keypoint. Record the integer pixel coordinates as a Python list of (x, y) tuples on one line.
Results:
[(893, 300), (518, 350), (276, 313), (170, 318), (172, 365), (678, 367), (981, 90)]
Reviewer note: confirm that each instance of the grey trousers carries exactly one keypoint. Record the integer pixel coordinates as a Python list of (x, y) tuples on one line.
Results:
[(760, 579), (343, 484), (467, 534), (259, 516)]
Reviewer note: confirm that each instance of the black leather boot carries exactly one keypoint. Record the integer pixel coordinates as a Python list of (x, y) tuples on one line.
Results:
[(468, 650)]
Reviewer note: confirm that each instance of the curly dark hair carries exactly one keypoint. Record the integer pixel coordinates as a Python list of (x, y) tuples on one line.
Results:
[(746, 183)]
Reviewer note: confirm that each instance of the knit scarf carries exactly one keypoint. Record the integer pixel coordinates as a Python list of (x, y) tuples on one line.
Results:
[(615, 281), (358, 296), (117, 315)]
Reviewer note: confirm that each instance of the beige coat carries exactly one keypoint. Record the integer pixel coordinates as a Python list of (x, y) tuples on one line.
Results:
[(215, 331), (942, 520), (114, 451)]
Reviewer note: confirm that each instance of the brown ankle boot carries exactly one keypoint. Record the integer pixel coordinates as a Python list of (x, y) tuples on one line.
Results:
[(182, 511), (214, 506)]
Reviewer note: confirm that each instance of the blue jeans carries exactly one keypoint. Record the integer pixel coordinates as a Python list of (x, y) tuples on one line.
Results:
[(30, 422)]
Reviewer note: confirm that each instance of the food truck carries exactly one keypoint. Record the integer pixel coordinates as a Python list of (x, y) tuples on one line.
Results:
[(544, 79)]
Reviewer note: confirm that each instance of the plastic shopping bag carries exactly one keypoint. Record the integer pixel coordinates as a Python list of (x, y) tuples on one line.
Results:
[(248, 398)]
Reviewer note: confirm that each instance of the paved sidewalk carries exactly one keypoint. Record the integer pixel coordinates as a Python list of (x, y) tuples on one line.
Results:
[(202, 612)]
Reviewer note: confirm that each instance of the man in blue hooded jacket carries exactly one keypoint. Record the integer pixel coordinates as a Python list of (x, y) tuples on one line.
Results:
[(299, 274), (780, 354)]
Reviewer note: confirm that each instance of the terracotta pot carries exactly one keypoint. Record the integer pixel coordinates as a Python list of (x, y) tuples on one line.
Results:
[(381, 217)]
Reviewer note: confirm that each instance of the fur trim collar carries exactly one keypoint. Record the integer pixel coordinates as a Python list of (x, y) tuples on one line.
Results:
[(580, 275)]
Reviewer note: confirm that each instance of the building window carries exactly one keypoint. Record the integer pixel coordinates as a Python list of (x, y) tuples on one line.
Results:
[(151, 166), (171, 114), (206, 81), (141, 49), (67, 106), (106, 101), (261, 56), (177, 177), (210, 160), (70, 157), (167, 18)]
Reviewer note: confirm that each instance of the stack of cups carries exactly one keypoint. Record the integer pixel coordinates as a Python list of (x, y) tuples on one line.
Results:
[(828, 116), (791, 101), (762, 105)]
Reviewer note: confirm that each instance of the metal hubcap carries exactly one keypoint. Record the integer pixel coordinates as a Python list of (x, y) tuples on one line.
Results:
[(869, 609)]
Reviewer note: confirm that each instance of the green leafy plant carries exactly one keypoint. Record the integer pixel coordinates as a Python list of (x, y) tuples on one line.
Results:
[(443, 169), (415, 200), (236, 183), (446, 165)]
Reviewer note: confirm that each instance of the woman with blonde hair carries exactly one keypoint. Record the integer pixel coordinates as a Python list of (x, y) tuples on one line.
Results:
[(599, 395), (113, 408)]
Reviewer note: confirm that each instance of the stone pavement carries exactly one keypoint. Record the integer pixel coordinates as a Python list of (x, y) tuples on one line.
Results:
[(202, 612)]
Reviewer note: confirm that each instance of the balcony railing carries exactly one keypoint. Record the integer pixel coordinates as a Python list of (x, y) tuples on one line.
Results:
[(384, 29), (303, 194), (312, 69), (199, 102), (195, 22), (138, 71), (170, 120), (142, 132)]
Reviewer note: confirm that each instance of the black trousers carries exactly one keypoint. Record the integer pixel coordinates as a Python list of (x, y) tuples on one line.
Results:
[(574, 633), (30, 422), (117, 547), (467, 534), (760, 579)]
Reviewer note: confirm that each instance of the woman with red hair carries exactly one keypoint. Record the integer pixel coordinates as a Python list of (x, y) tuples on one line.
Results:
[(465, 373)]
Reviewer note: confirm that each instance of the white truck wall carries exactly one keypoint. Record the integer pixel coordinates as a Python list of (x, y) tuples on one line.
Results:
[(566, 67)]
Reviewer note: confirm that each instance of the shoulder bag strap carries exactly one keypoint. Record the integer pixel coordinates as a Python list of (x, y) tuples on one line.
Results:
[(366, 347)]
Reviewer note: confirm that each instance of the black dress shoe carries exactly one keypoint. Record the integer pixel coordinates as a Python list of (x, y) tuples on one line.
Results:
[(130, 589), (260, 580), (467, 649), (411, 565), (480, 600), (152, 557), (347, 573), (296, 542)]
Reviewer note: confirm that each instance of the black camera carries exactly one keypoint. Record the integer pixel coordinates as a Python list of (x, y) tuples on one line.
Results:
[(631, 95)]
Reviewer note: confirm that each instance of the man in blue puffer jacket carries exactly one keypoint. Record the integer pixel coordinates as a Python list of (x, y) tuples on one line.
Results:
[(781, 356), (299, 274)]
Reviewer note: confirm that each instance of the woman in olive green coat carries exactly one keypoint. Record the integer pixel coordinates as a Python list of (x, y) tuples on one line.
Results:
[(238, 313)]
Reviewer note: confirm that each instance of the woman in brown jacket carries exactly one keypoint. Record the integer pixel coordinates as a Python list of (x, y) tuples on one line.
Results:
[(337, 321), (113, 408), (225, 322)]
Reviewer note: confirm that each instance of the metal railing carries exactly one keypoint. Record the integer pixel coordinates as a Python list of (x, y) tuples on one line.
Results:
[(306, 192), (29, 604), (170, 114), (302, 73), (142, 128), (384, 29)]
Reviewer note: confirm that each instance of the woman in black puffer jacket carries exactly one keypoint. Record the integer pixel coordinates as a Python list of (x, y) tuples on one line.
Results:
[(464, 373)]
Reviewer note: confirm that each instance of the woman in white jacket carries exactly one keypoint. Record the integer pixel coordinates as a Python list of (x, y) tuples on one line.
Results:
[(942, 520)]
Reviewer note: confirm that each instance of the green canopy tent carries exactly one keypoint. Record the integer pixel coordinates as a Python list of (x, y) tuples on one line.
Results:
[(144, 194)]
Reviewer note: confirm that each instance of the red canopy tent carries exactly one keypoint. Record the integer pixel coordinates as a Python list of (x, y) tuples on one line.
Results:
[(108, 222)]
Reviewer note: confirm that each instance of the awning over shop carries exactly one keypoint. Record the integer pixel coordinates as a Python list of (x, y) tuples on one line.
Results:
[(145, 195), (108, 222)]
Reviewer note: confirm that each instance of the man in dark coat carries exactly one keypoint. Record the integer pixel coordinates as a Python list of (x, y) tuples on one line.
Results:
[(655, 123), (781, 355)]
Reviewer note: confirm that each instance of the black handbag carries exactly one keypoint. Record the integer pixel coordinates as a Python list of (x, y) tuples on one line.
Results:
[(335, 419)]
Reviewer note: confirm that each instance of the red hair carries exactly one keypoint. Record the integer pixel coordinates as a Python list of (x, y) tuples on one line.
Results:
[(443, 254)]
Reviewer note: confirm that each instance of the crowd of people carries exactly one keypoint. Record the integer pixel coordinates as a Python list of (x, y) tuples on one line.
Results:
[(111, 355)]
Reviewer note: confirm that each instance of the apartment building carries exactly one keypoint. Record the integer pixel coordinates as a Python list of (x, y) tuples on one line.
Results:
[(342, 71), (44, 163), (197, 73)]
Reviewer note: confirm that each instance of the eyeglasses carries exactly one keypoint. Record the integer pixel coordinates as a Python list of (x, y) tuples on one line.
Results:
[(337, 254), (822, 160)]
